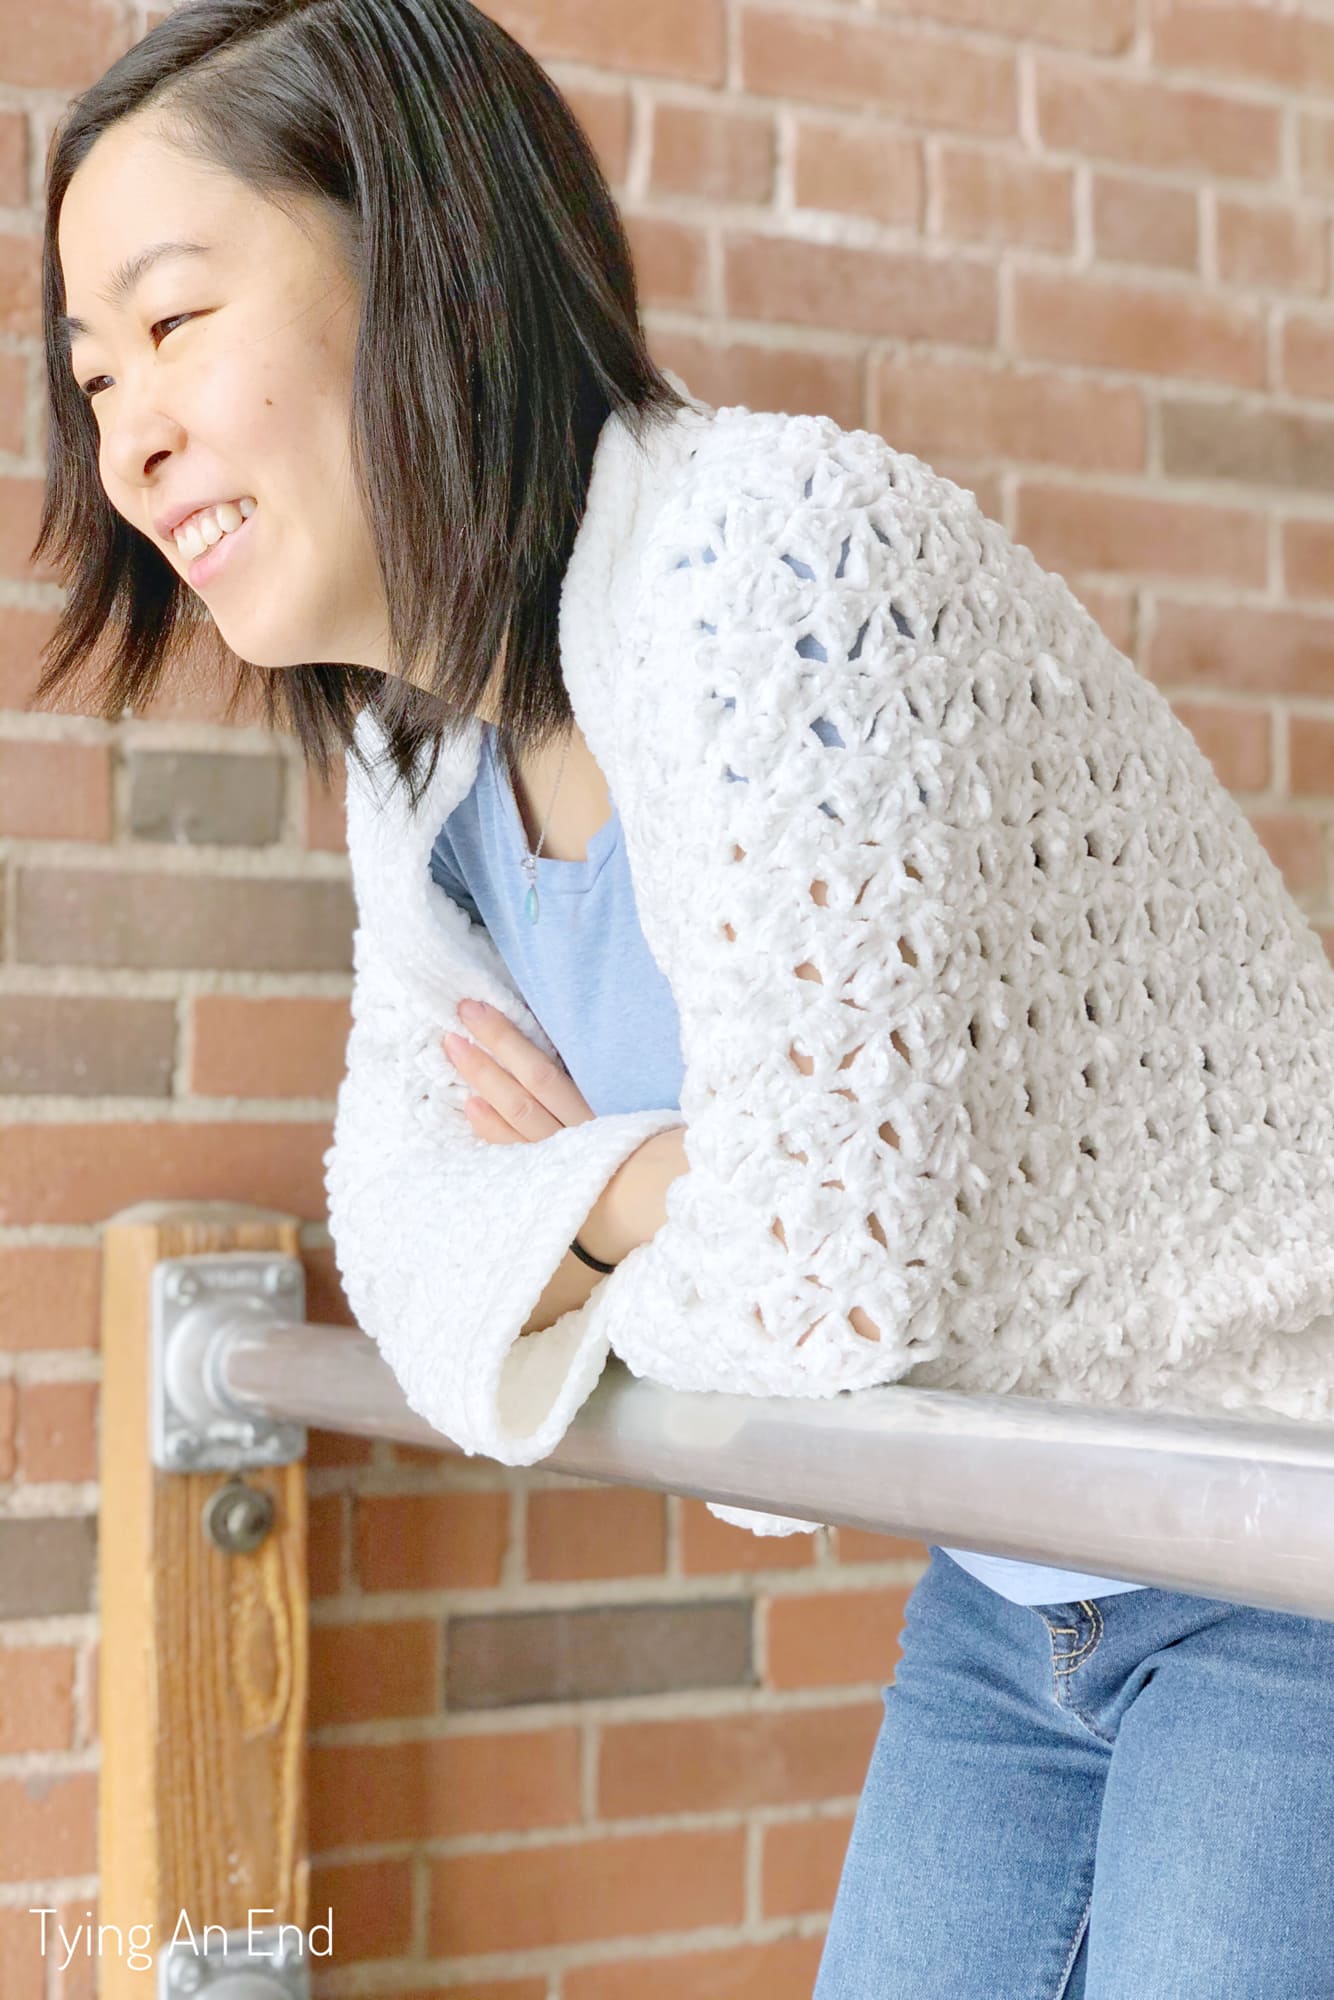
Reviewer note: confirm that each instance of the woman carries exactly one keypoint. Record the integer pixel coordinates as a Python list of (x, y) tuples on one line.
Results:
[(736, 762)]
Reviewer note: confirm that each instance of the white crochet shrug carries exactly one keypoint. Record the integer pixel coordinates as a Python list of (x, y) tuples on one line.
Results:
[(1057, 1112)]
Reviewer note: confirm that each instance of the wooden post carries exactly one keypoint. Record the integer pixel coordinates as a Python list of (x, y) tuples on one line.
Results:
[(202, 1670)]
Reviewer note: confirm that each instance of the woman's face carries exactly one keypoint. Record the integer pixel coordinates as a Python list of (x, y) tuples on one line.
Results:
[(249, 395)]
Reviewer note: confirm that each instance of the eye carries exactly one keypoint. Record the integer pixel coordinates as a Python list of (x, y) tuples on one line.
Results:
[(88, 391)]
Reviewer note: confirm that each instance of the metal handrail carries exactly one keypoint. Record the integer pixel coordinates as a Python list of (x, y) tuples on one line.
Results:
[(1240, 1509)]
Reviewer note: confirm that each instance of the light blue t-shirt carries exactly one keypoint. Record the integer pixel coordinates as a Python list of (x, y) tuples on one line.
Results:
[(588, 976)]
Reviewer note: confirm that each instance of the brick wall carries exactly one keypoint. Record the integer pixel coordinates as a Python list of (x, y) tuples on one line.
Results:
[(571, 1743)]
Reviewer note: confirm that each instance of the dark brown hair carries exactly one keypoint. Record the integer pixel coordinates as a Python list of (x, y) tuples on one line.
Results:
[(499, 328)]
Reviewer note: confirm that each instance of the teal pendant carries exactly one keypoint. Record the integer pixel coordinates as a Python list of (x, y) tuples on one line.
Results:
[(530, 905)]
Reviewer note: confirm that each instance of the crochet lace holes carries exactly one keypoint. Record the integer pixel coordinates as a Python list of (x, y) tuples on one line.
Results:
[(888, 1134), (863, 1325), (738, 854)]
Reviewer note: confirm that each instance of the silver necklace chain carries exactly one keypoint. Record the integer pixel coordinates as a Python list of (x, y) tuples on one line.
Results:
[(530, 860)]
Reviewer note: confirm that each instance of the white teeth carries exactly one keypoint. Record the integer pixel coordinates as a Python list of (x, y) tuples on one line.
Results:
[(202, 530)]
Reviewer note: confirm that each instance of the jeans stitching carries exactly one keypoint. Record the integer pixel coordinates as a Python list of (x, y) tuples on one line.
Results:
[(1076, 1655), (1074, 1949)]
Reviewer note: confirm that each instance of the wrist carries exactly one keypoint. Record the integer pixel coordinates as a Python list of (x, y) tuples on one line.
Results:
[(628, 1210)]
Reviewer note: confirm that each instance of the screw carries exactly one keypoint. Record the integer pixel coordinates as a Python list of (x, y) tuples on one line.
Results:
[(182, 1446), (182, 1286)]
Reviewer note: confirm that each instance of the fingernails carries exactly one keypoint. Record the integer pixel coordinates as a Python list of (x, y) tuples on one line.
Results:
[(472, 1010)]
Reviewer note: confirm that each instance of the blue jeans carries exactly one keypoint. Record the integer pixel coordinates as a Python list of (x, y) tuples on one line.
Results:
[(1130, 1799)]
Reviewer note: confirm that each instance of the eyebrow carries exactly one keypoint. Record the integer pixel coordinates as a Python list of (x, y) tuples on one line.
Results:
[(126, 278)]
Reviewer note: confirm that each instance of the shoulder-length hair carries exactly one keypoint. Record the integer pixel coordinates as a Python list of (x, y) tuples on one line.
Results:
[(499, 327)]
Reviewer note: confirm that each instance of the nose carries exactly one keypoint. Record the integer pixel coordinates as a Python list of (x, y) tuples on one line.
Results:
[(135, 445)]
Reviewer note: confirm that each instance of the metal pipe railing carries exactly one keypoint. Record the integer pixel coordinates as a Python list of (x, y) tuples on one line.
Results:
[(1214, 1506)]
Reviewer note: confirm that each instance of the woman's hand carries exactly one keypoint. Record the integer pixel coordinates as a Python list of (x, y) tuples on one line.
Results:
[(520, 1094)]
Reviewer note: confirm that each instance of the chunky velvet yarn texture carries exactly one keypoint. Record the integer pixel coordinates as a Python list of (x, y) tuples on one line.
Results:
[(1057, 1112)]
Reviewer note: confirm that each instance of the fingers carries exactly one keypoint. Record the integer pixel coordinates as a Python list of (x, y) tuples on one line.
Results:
[(532, 1095), (488, 1124)]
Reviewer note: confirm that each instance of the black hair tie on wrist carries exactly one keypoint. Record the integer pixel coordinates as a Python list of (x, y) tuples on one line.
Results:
[(593, 1263)]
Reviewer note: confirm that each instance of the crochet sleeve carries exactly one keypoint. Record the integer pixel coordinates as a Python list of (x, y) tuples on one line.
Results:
[(787, 593), (444, 1242)]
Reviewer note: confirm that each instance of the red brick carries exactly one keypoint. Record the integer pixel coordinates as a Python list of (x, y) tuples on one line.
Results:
[(856, 1545), (1239, 648), (725, 1762), (371, 1903), (62, 45), (671, 261), (797, 380), (483, 1989), (1235, 740), (1295, 843), (23, 632), (934, 80), (324, 1448), (885, 293), (584, 1890), (55, 791), (1315, 151), (1071, 529), (1307, 364), (713, 155), (48, 1826), (1142, 221), (685, 39), (995, 197), (1085, 108), (1115, 612), (22, 1961), (1103, 27), (50, 1296), (784, 1970), (13, 392), (268, 1047), (83, 1173), (945, 408), (590, 1532), (1250, 43), (326, 810), (858, 170), (8, 1418), (77, 1980), (1153, 330), (1310, 756), (605, 117), (361, 1673), (443, 1787), (837, 1638), (36, 1699), (14, 157), (1308, 558), (429, 1541), (57, 1431), (710, 1547), (20, 313), (1272, 246), (800, 1864), (325, 1513)]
